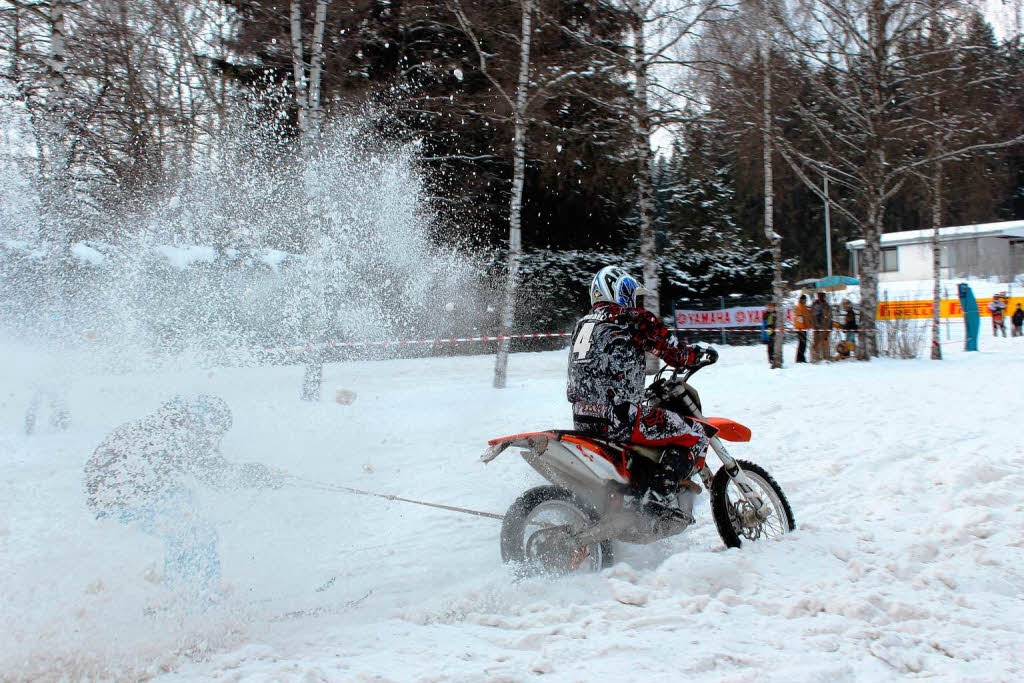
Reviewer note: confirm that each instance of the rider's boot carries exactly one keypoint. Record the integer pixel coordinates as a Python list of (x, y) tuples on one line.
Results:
[(661, 499)]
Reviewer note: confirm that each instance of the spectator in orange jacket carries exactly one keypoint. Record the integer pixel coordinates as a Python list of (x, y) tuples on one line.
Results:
[(801, 321)]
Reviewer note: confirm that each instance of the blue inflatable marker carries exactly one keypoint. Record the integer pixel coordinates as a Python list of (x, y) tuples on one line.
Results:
[(972, 319)]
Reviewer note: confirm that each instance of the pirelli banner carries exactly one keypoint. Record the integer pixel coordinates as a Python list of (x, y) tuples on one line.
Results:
[(751, 316), (950, 308)]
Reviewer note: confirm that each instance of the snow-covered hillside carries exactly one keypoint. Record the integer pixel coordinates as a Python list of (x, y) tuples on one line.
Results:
[(905, 477)]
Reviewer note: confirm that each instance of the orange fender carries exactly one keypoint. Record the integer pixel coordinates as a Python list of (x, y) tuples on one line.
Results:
[(728, 429), (524, 435)]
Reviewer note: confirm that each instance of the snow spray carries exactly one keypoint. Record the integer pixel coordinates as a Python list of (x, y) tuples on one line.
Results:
[(114, 311)]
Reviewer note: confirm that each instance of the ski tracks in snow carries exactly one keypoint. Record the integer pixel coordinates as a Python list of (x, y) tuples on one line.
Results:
[(908, 559)]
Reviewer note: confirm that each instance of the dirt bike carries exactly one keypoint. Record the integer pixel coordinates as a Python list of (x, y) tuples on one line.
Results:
[(595, 497)]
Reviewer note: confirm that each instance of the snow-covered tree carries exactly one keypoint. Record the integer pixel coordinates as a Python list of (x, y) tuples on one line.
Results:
[(705, 253)]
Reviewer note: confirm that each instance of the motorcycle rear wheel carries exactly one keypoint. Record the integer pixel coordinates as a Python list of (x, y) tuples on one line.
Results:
[(735, 521), (537, 534)]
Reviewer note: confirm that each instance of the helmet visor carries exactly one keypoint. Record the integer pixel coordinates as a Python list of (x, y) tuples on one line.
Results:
[(629, 290)]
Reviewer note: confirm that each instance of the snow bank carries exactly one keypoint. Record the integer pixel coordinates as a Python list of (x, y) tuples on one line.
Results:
[(183, 256), (904, 477), (87, 253)]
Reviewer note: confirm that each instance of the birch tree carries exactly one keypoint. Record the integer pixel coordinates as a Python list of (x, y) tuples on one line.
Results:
[(307, 75), (760, 15), (49, 111), (518, 101), (659, 32), (774, 238), (306, 83), (639, 13), (56, 99), (936, 196)]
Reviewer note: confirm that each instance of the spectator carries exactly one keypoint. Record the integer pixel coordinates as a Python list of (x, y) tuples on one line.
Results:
[(997, 308), (829, 324), (1017, 320), (768, 330), (821, 318), (801, 321), (849, 326)]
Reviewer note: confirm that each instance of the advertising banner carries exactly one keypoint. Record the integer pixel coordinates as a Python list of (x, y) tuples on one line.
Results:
[(751, 316), (950, 308), (740, 316)]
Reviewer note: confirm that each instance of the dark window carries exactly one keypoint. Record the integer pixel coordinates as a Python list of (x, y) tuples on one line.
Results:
[(948, 257), (1016, 257), (890, 260)]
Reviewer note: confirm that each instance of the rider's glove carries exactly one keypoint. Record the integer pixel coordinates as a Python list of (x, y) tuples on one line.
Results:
[(710, 356)]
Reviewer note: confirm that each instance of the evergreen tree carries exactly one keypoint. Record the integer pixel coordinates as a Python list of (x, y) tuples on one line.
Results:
[(705, 253)]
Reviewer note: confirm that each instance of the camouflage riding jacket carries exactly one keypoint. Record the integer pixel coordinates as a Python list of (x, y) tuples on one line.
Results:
[(606, 357)]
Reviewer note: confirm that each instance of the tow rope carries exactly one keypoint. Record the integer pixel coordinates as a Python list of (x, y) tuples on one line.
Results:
[(334, 488)]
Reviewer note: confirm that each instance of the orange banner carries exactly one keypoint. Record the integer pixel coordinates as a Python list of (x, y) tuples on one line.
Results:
[(891, 310)]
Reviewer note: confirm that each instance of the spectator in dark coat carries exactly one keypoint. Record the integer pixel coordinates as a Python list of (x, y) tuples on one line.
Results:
[(821, 319), (1017, 320)]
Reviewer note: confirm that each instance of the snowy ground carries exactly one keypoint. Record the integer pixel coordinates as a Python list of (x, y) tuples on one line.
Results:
[(904, 475)]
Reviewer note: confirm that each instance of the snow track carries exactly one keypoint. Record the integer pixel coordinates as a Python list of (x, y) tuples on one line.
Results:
[(905, 478)]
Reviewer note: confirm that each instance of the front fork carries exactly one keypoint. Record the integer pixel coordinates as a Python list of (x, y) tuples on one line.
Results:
[(732, 468)]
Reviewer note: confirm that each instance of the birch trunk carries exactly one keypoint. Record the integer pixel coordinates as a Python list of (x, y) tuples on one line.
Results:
[(299, 70), (58, 165), (316, 67), (769, 209), (515, 240), (645, 168), (868, 346), (310, 119), (936, 260), (876, 172), (56, 62), (313, 370)]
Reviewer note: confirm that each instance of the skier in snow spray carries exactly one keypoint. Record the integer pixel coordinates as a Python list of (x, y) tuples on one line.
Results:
[(606, 383), (51, 396), (142, 474)]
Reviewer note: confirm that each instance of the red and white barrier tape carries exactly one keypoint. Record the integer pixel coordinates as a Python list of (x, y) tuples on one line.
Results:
[(502, 337), (748, 329), (413, 342)]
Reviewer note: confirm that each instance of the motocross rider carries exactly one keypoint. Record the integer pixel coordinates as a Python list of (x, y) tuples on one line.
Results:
[(606, 384)]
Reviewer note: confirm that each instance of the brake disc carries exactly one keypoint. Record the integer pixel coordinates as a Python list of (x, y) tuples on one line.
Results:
[(556, 549)]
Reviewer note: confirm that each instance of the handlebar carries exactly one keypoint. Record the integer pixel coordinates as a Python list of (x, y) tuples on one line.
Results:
[(708, 357)]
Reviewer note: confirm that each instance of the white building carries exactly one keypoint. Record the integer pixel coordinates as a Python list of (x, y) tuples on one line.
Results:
[(986, 250)]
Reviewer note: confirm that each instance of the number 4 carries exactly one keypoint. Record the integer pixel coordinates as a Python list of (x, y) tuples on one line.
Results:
[(582, 345)]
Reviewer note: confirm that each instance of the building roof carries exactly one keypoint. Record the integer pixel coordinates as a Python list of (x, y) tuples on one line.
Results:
[(957, 232)]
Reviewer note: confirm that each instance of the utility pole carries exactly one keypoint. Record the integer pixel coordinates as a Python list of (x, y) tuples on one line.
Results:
[(828, 232)]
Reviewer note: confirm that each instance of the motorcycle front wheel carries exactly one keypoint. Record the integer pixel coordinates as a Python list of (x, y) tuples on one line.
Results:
[(538, 534), (736, 520)]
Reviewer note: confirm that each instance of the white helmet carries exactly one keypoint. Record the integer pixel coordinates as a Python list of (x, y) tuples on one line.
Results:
[(615, 285)]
